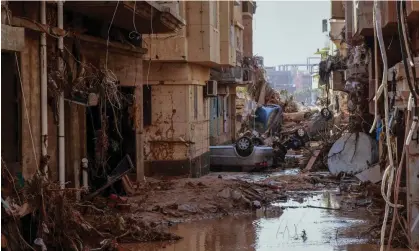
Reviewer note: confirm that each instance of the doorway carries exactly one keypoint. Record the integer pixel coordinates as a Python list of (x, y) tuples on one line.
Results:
[(11, 120), (110, 136)]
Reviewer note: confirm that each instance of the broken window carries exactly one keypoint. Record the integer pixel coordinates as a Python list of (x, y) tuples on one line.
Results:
[(147, 105)]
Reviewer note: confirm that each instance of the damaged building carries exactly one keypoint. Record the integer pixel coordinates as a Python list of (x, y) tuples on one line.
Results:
[(72, 85), (85, 86), (374, 62), (190, 85)]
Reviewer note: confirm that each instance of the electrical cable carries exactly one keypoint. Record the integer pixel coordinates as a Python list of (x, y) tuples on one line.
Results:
[(403, 50), (390, 168), (408, 45), (374, 124), (109, 30)]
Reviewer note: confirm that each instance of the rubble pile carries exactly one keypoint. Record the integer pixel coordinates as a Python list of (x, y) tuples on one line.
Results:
[(188, 199), (59, 221)]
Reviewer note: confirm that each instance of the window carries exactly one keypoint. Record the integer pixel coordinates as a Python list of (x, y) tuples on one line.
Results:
[(195, 102), (215, 12), (146, 105), (227, 106)]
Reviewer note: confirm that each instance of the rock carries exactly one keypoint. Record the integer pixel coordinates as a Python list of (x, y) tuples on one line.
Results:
[(256, 204), (155, 208), (236, 195), (208, 208), (225, 193), (188, 208), (173, 206)]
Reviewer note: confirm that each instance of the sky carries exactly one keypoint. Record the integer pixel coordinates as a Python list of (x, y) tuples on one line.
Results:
[(287, 32)]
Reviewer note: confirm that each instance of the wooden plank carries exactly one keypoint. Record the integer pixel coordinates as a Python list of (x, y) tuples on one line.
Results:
[(312, 160)]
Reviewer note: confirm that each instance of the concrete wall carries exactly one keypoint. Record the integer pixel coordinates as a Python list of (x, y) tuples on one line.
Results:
[(178, 134), (248, 36)]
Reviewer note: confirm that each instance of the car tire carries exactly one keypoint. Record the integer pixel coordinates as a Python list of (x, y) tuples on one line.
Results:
[(244, 146), (325, 112), (301, 133)]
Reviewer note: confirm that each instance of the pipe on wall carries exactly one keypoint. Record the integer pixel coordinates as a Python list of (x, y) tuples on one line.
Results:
[(61, 122), (44, 90)]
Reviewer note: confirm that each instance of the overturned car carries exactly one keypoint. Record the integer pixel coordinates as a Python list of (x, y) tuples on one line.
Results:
[(266, 146)]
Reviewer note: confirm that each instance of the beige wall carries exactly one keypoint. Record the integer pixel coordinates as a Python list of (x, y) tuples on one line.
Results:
[(248, 36), (176, 133)]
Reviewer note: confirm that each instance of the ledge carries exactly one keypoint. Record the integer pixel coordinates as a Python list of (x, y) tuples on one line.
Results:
[(35, 26), (150, 16)]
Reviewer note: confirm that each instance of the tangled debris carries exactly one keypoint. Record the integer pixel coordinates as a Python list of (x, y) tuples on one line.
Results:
[(59, 221)]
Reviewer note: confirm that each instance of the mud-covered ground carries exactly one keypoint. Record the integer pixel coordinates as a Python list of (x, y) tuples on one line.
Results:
[(165, 202), (299, 211)]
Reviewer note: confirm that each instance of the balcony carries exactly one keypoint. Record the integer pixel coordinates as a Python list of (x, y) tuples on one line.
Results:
[(150, 17), (249, 8), (363, 18), (231, 75)]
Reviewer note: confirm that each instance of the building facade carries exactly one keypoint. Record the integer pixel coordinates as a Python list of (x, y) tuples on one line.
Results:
[(190, 81), (353, 33), (72, 85)]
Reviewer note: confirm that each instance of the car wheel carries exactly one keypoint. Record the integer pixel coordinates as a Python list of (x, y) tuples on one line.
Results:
[(300, 133), (244, 146), (280, 151), (325, 112)]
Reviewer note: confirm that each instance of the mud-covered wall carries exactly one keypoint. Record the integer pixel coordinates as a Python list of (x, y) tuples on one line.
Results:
[(126, 66), (179, 112)]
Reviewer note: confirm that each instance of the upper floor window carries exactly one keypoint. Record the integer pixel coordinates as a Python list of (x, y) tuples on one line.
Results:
[(214, 12)]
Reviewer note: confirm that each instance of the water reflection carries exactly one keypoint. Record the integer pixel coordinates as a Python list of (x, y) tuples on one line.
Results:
[(295, 229)]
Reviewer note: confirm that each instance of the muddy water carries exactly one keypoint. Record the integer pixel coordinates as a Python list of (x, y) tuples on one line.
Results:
[(296, 227)]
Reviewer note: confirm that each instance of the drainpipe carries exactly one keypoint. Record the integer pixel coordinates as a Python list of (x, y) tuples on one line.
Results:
[(61, 139), (44, 90)]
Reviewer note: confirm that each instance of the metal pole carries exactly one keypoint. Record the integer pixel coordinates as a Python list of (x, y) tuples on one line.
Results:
[(44, 91), (61, 132)]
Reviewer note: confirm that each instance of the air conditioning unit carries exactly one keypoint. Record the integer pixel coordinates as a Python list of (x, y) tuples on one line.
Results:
[(211, 88)]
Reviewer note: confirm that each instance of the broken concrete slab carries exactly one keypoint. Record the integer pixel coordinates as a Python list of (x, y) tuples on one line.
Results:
[(372, 174), (352, 153)]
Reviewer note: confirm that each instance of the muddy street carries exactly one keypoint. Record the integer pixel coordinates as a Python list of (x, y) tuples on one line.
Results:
[(308, 220), (299, 218), (210, 125)]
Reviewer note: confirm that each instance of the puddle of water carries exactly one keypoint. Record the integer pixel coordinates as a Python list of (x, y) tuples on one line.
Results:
[(255, 177), (296, 229)]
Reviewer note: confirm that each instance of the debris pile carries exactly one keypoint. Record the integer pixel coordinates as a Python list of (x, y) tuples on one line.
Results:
[(58, 221)]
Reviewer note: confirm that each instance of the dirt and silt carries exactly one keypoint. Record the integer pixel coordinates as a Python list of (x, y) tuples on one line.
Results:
[(284, 209), (287, 209)]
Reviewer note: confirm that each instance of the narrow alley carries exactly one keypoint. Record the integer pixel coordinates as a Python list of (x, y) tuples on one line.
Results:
[(210, 125)]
